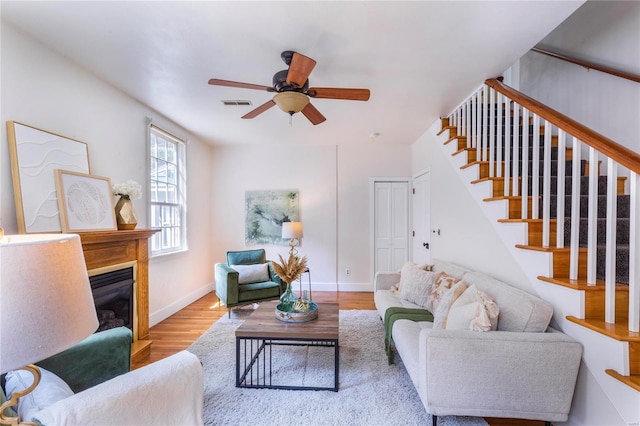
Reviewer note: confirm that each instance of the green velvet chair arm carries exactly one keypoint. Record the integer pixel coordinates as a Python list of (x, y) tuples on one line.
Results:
[(98, 358), (226, 284)]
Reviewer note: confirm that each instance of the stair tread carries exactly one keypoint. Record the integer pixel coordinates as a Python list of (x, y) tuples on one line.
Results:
[(633, 380), (547, 249), (618, 331), (581, 284)]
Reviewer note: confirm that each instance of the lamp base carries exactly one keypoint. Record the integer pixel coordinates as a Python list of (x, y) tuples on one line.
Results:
[(293, 243), (13, 401)]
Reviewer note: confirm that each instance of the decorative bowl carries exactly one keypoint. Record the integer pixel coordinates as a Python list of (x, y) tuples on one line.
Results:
[(290, 316)]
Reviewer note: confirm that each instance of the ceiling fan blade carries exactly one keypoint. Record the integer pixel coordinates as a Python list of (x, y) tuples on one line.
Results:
[(300, 68), (335, 93), (262, 108), (313, 114), (228, 83)]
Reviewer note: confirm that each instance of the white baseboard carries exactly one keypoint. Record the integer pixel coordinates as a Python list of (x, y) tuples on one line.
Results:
[(363, 287), (174, 307)]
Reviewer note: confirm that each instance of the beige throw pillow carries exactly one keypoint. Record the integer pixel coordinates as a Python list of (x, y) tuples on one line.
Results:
[(442, 283), (415, 283), (473, 310), (446, 302)]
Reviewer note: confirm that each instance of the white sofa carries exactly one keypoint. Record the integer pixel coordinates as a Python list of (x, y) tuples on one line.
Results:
[(524, 369)]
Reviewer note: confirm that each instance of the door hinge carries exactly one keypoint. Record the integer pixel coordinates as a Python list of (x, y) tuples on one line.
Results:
[(413, 190), (414, 233)]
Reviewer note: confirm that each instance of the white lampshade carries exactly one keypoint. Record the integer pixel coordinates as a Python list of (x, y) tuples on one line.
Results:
[(291, 229), (46, 305)]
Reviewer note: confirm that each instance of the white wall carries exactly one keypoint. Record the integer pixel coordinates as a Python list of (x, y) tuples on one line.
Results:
[(42, 89), (606, 33), (466, 236), (308, 169), (333, 182)]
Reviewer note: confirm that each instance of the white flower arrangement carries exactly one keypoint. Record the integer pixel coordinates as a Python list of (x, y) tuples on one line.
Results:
[(130, 190)]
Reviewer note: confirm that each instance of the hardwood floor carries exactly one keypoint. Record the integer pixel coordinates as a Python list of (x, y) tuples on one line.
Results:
[(180, 330)]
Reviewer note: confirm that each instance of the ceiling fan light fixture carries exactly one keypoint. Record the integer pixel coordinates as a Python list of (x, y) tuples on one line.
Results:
[(291, 102)]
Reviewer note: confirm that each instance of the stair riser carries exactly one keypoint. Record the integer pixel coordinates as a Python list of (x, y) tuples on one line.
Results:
[(595, 302)]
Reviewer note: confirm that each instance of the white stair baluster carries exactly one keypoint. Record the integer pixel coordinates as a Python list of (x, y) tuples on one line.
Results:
[(485, 127), (516, 147), (535, 172), (492, 132), (610, 262), (634, 254), (575, 210), (560, 193), (546, 186), (507, 148), (499, 140), (593, 216), (524, 188)]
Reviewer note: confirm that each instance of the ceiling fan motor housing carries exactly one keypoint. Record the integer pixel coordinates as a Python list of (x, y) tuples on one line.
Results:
[(281, 85)]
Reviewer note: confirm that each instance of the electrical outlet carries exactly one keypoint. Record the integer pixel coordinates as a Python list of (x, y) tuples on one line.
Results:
[(348, 271)]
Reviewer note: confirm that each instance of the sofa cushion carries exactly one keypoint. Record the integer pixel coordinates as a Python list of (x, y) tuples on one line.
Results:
[(405, 336), (473, 310), (443, 282), (248, 274), (415, 283), (519, 311), (449, 268), (50, 390), (385, 299), (445, 303)]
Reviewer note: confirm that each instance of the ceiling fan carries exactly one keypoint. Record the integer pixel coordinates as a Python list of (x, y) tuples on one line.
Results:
[(293, 91)]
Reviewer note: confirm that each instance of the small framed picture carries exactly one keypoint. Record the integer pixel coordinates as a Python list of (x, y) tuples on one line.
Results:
[(85, 202)]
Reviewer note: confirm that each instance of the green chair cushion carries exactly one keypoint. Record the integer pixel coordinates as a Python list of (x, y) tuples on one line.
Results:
[(246, 257)]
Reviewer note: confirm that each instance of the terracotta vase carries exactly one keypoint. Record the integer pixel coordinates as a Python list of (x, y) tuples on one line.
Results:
[(126, 214)]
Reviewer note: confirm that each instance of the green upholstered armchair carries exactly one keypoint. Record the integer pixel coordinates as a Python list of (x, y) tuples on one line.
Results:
[(247, 277)]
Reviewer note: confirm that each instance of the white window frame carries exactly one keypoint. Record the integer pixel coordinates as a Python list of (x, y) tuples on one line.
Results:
[(168, 208)]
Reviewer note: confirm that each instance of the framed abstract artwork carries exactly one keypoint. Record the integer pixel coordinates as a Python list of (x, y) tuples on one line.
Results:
[(85, 202), (264, 213), (35, 154)]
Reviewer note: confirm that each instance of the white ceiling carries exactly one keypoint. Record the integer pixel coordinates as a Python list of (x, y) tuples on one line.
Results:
[(420, 59)]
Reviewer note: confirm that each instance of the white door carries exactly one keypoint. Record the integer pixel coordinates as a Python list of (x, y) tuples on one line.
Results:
[(421, 239), (390, 225)]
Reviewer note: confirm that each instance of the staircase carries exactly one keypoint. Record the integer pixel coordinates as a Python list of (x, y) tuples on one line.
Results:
[(580, 219)]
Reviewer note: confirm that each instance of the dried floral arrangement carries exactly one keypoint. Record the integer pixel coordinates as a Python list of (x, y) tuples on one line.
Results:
[(290, 270)]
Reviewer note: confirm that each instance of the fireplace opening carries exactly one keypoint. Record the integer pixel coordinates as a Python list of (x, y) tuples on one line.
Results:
[(113, 298)]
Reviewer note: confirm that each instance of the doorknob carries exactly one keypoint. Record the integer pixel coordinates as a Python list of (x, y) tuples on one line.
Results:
[(426, 245)]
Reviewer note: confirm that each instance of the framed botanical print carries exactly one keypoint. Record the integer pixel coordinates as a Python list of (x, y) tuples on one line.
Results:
[(85, 202)]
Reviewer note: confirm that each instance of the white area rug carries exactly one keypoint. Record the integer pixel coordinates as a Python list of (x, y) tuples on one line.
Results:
[(371, 391)]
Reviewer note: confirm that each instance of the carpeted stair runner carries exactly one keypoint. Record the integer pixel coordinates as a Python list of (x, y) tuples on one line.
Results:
[(622, 213)]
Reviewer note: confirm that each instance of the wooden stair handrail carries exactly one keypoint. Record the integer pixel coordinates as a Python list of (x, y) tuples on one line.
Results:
[(619, 153), (590, 65)]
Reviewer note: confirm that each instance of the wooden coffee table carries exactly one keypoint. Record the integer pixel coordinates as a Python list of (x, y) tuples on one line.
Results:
[(256, 336)]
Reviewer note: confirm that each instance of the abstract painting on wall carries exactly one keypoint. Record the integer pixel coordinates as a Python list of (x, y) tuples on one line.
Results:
[(265, 211), (35, 154)]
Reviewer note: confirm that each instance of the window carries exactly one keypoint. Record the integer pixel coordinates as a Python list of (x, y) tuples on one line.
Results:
[(167, 192)]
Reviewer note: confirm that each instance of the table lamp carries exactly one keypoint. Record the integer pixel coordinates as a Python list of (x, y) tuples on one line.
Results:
[(293, 231), (46, 305)]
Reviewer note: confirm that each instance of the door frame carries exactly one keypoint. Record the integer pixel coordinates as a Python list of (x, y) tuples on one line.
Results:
[(372, 183), (418, 174)]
